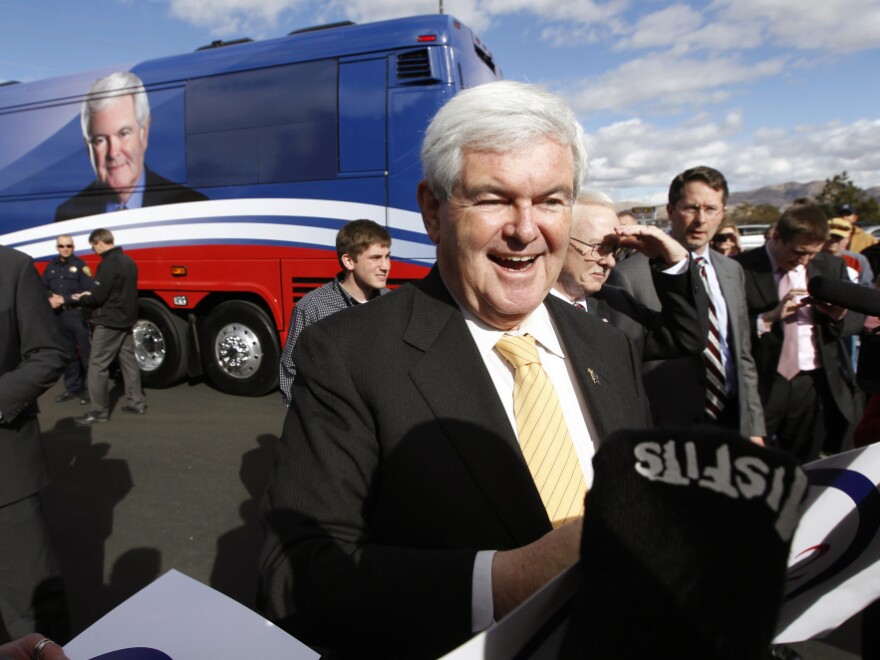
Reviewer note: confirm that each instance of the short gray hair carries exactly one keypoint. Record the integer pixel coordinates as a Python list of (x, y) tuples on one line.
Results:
[(106, 90), (594, 198), (501, 117)]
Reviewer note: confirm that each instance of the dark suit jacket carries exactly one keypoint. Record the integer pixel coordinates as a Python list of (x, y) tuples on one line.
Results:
[(32, 358), (676, 331), (677, 387), (398, 463), (93, 199), (762, 296)]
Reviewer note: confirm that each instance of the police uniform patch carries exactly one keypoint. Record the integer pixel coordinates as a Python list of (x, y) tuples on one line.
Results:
[(87, 271)]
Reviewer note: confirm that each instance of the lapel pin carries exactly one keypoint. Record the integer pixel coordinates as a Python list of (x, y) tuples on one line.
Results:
[(593, 376)]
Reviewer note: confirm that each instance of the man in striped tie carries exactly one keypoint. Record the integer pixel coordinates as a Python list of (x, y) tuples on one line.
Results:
[(432, 468), (721, 385)]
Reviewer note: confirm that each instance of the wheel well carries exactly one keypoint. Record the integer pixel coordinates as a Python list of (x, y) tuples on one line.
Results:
[(214, 300)]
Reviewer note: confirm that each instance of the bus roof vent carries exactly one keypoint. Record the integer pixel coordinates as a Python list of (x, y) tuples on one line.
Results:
[(414, 65), (221, 44), (315, 28)]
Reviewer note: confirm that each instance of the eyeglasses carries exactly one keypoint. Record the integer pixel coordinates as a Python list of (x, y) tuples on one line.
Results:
[(598, 250), (691, 210), (65, 245), (720, 238)]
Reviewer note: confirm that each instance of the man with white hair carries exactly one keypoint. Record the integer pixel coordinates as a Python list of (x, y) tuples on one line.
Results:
[(406, 510), (597, 237), (115, 120)]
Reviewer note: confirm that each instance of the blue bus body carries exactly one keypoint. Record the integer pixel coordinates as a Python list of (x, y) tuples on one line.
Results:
[(287, 139)]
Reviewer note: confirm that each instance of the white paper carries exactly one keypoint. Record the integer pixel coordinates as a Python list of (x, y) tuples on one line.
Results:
[(186, 620), (833, 566)]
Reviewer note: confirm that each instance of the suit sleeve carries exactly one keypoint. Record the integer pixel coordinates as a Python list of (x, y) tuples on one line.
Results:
[(749, 370), (677, 330), (31, 330), (323, 576)]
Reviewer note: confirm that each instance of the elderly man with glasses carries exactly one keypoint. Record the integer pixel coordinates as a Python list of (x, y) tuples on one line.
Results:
[(65, 276), (597, 239), (720, 386)]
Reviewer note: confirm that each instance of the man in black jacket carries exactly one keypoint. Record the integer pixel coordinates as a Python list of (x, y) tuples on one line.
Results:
[(32, 358), (597, 238), (114, 298)]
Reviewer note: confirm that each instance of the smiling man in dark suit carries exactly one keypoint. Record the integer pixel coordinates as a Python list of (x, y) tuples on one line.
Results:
[(402, 515), (116, 129), (32, 358)]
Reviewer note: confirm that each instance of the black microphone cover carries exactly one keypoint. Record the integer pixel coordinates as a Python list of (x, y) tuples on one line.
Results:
[(857, 297), (685, 544)]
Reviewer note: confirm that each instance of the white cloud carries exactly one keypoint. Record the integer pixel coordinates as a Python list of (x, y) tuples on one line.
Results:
[(837, 25), (662, 28), (634, 156), (668, 81), (233, 17)]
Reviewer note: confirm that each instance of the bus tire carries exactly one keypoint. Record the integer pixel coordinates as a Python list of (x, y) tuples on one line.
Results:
[(159, 344), (240, 349)]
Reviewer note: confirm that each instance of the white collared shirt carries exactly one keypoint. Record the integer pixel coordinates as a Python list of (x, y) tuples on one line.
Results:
[(581, 425)]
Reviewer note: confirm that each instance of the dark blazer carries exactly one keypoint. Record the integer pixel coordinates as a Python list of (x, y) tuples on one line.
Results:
[(32, 358), (762, 295), (675, 331), (93, 199), (397, 464), (677, 387)]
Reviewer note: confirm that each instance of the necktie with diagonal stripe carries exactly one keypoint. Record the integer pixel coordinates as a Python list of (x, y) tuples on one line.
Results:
[(543, 435), (715, 378)]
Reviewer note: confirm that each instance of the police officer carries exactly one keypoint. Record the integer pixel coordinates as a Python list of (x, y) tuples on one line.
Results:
[(66, 275)]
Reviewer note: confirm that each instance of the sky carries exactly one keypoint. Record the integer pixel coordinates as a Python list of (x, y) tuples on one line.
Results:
[(767, 91)]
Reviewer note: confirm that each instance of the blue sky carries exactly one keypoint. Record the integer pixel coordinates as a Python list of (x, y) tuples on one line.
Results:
[(767, 91)]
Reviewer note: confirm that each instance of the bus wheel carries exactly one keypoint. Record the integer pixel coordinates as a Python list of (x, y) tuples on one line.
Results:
[(240, 349), (159, 344)]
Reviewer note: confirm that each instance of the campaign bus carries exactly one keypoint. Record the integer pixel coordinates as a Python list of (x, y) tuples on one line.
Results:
[(252, 157)]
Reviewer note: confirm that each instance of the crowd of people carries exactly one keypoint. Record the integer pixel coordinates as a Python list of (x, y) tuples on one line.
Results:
[(432, 469)]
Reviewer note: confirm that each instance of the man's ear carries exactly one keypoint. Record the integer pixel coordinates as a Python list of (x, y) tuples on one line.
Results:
[(146, 132), (347, 262), (430, 208)]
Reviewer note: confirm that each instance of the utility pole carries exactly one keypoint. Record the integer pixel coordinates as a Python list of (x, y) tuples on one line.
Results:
[(441, 6)]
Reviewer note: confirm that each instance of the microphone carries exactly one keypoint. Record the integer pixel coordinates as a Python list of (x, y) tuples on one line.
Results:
[(857, 297)]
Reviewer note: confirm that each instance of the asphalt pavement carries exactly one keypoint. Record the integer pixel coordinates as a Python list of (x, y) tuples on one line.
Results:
[(179, 487)]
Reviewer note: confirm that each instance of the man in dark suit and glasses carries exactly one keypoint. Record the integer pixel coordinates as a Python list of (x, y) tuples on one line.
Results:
[(597, 238), (402, 515), (32, 358)]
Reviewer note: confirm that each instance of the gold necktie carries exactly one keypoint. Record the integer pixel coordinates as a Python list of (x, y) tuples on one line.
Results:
[(543, 434)]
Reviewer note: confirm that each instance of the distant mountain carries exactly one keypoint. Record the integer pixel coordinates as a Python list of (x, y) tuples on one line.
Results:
[(780, 196)]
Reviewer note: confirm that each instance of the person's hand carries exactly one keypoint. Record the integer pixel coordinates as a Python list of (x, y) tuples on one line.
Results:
[(517, 574), (758, 440), (77, 296), (56, 301), (834, 311), (790, 304), (25, 648), (652, 242)]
